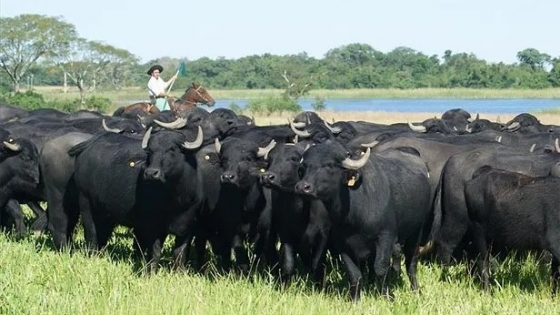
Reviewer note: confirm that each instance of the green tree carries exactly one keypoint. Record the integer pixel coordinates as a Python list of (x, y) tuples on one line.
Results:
[(26, 38), (533, 58), (86, 62)]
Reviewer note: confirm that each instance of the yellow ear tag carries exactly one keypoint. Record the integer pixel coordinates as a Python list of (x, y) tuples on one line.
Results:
[(352, 181), (207, 157), (263, 170), (131, 164)]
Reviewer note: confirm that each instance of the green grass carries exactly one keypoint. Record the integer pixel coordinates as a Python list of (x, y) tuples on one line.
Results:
[(36, 280), (55, 93)]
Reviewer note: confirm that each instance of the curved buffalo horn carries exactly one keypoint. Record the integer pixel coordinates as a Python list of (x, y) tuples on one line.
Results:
[(104, 124), (467, 129), (217, 145), (296, 139), (514, 125), (499, 139), (296, 124), (532, 148), (12, 146), (350, 164), (176, 124), (146, 138), (334, 130), (264, 151), (197, 142), (301, 133), (308, 120), (416, 128), (477, 116), (556, 145), (370, 144)]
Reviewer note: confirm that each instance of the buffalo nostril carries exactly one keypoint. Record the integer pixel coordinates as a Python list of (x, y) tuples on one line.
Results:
[(306, 187), (227, 177), (153, 173), (271, 177)]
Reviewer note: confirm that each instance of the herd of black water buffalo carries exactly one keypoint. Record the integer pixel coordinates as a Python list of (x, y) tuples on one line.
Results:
[(366, 193)]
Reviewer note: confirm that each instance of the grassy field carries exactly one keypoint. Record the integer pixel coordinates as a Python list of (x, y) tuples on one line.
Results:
[(52, 93), (36, 280)]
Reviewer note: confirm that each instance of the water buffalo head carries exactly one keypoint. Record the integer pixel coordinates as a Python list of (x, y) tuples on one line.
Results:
[(21, 160), (242, 160), (170, 152), (325, 167), (282, 172)]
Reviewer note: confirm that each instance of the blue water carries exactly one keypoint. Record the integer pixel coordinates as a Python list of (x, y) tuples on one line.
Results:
[(506, 106)]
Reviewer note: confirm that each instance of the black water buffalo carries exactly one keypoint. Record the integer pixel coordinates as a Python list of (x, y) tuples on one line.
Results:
[(234, 199), (10, 112), (57, 168), (302, 224), (172, 172), (374, 203), (459, 169), (513, 211), (527, 123), (19, 178), (137, 183)]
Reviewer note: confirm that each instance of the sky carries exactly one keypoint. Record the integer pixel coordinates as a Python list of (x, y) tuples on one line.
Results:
[(493, 30)]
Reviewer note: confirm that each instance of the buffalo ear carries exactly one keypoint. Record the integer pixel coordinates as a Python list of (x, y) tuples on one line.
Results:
[(352, 178)]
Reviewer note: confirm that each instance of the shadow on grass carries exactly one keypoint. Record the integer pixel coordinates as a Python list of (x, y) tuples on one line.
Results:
[(527, 271)]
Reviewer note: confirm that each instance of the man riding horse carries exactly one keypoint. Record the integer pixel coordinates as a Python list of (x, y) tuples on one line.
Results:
[(156, 88)]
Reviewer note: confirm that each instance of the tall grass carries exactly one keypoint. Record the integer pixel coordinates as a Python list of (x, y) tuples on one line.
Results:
[(36, 280), (136, 93)]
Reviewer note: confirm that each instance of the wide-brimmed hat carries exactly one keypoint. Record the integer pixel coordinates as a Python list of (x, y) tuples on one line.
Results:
[(154, 67)]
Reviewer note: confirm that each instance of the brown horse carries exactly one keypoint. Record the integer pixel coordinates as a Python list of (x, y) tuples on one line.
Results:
[(193, 95), (146, 107)]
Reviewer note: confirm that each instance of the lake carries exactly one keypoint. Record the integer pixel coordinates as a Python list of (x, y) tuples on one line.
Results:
[(506, 106)]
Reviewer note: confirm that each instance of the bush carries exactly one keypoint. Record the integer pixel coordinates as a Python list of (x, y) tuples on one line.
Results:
[(272, 105), (28, 100), (235, 108), (319, 104), (101, 104)]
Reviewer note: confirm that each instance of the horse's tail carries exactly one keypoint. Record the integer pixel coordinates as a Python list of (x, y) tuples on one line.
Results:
[(119, 111)]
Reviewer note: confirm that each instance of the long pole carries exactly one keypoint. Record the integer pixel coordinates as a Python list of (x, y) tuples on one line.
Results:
[(170, 85)]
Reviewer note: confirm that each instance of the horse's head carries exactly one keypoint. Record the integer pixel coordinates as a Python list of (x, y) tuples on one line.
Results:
[(198, 94)]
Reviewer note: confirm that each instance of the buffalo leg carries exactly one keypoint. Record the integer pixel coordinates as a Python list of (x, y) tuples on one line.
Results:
[(241, 256), (319, 254), (411, 262), (354, 276), (154, 255), (40, 222), (90, 230), (383, 253), (180, 251), (14, 216), (287, 263)]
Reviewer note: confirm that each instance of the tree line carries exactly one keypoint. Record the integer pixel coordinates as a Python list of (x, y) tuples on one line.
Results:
[(43, 50)]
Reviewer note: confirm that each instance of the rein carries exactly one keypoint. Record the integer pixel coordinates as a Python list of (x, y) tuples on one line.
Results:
[(197, 92)]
